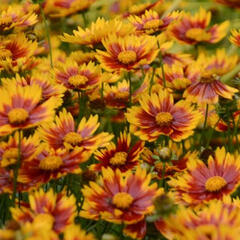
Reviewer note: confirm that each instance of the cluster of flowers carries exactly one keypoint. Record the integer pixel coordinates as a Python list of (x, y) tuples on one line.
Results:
[(124, 128)]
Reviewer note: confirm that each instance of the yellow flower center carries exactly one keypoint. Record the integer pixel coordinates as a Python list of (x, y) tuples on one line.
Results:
[(215, 184), (122, 200), (9, 157), (127, 57), (50, 163), (119, 158), (17, 116), (77, 80), (164, 118), (198, 34), (73, 138), (153, 24)]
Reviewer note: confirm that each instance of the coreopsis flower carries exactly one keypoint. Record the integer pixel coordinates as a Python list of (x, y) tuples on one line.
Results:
[(194, 29), (60, 207), (62, 133), (120, 197), (98, 31), (158, 115), (122, 156), (81, 57), (14, 17), (127, 53), (175, 77), (168, 57), (207, 87), (52, 164), (48, 86), (175, 161), (229, 3), (218, 220), (74, 232), (40, 228), (9, 150), (139, 9), (151, 22), (235, 37), (201, 182), (21, 108), (17, 53), (62, 8), (136, 230), (83, 77)]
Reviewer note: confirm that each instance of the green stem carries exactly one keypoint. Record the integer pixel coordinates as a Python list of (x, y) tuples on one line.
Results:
[(48, 36), (206, 116), (163, 76), (18, 164), (151, 81), (130, 89)]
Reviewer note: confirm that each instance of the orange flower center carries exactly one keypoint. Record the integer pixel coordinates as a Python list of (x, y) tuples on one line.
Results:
[(119, 158), (9, 157), (73, 138), (50, 163), (164, 118), (214, 184), (78, 80), (122, 200), (127, 57), (198, 34), (17, 116), (153, 24)]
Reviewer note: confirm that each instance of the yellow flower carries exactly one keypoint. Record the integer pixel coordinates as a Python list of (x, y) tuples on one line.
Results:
[(98, 31)]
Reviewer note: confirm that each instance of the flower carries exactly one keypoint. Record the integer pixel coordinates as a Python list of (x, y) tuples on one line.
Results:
[(17, 53), (15, 17), (40, 228), (230, 3), (120, 197), (62, 8), (235, 37), (73, 232), (62, 133), (51, 164), (207, 87), (151, 22), (127, 53), (48, 86), (158, 115), (201, 183), (9, 150), (83, 77), (98, 31), (218, 220), (119, 156), (58, 206), (21, 108), (190, 29)]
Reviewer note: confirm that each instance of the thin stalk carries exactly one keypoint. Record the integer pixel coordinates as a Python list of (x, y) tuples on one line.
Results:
[(163, 76), (163, 174), (102, 90), (48, 36), (130, 89), (151, 81), (17, 168), (206, 116)]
